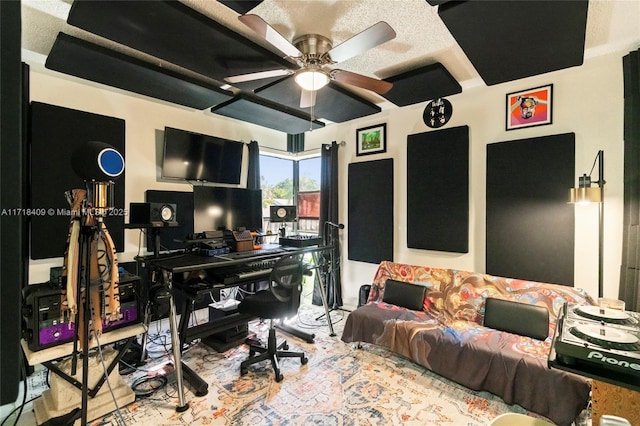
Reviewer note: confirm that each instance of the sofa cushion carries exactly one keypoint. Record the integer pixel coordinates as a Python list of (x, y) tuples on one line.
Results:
[(517, 318), (407, 295)]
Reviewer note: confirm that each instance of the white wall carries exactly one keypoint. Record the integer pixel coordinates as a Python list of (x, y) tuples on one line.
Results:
[(145, 118), (587, 100)]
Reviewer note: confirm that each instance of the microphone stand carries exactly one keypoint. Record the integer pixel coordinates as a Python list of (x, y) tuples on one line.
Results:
[(329, 274)]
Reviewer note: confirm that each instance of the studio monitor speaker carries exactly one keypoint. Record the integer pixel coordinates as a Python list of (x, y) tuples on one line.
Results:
[(282, 213), (158, 214)]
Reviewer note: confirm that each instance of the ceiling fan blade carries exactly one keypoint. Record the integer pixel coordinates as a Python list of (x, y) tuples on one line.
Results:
[(256, 76), (371, 37), (307, 98), (347, 77), (267, 32)]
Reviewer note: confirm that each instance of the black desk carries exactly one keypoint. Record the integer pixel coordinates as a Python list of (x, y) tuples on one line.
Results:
[(185, 263)]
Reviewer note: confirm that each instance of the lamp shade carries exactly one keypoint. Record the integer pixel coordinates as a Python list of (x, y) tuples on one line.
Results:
[(585, 195), (312, 79)]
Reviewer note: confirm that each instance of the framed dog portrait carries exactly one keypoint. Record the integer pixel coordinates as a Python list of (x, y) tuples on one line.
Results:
[(531, 107)]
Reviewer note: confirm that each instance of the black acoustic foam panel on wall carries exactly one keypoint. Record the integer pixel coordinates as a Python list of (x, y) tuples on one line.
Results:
[(530, 225), (438, 190), (176, 33), (332, 101), (13, 183), (265, 113), (56, 132), (370, 210), (86, 60), (422, 84), (509, 40), (184, 217)]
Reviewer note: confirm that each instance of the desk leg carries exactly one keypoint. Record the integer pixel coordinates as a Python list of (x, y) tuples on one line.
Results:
[(323, 294), (177, 350)]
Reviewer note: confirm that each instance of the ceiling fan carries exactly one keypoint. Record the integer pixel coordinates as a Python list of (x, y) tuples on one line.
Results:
[(314, 53)]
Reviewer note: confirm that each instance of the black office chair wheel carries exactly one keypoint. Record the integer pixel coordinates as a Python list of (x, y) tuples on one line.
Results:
[(304, 360), (279, 377), (243, 371), (285, 346)]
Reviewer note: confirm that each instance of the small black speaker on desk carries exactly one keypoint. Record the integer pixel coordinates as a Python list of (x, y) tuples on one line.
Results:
[(158, 214)]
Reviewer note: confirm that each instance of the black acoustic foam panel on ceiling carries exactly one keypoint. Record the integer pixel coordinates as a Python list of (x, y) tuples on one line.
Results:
[(265, 113), (241, 6), (438, 190), (332, 101), (370, 210), (422, 84), (89, 61), (56, 132), (530, 225), (176, 33), (510, 40)]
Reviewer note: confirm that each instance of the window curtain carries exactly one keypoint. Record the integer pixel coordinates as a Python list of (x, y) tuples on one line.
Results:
[(295, 143), (329, 213), (630, 269), (253, 175)]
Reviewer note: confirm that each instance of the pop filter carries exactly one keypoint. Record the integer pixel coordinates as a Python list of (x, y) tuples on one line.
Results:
[(97, 161)]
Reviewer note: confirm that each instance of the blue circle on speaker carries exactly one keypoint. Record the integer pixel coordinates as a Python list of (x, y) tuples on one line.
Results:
[(111, 162)]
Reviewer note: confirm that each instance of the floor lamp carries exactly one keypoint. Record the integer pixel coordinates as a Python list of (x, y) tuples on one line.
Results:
[(585, 193)]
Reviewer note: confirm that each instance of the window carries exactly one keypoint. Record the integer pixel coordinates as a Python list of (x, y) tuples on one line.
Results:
[(291, 182), (309, 195)]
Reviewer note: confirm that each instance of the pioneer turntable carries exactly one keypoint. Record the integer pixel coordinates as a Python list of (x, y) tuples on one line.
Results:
[(601, 343)]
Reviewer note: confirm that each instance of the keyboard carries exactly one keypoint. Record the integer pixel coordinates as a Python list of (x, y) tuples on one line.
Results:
[(250, 271), (249, 253)]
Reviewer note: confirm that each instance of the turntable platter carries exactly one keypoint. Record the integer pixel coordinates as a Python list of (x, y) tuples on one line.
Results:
[(606, 334), (602, 314)]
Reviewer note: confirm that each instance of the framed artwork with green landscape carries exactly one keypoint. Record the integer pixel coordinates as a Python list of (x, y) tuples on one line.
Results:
[(371, 140)]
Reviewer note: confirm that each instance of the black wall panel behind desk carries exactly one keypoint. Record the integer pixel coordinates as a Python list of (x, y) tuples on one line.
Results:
[(370, 208), (56, 132), (438, 190), (530, 225)]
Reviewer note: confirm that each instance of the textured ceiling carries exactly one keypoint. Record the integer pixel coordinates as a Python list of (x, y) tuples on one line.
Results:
[(422, 37)]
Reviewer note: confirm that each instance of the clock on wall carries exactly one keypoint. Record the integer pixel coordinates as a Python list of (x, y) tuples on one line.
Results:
[(437, 113)]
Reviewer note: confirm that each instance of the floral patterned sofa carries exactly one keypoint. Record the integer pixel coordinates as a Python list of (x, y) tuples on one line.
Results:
[(447, 336)]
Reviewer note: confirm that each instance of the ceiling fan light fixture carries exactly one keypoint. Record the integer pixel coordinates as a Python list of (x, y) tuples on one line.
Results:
[(312, 79)]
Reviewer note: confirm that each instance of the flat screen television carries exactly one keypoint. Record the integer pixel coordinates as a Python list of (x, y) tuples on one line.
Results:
[(194, 156), (226, 208)]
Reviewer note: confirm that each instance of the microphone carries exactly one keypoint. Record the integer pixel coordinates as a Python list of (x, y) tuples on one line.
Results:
[(335, 225), (98, 163)]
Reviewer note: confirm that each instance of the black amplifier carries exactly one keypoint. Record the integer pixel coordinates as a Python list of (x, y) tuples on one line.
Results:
[(45, 325)]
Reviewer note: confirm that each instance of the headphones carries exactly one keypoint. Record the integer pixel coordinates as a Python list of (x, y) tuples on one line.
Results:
[(159, 296)]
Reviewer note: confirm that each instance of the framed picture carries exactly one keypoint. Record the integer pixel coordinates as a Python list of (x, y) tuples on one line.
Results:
[(371, 140), (531, 107)]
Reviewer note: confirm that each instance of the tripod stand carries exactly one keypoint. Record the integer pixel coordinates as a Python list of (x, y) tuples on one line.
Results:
[(328, 272), (91, 296)]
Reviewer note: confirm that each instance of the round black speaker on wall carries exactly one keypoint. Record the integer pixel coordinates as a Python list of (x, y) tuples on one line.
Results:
[(437, 113)]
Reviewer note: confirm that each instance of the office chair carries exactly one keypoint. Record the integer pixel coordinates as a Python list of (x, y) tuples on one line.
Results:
[(281, 300)]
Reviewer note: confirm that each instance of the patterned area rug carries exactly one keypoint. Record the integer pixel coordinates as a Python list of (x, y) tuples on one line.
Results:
[(340, 385)]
